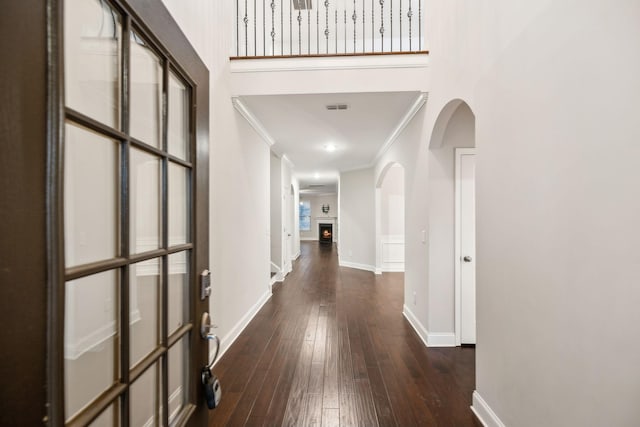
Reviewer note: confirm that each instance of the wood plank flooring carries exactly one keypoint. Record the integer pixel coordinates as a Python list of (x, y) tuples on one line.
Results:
[(331, 348)]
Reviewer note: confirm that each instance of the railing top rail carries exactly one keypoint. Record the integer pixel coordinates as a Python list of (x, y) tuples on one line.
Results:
[(330, 55)]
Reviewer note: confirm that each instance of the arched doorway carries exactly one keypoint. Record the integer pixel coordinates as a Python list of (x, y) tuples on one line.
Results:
[(452, 260)]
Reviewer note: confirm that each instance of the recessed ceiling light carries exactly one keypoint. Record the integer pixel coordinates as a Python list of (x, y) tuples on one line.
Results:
[(330, 148), (316, 175)]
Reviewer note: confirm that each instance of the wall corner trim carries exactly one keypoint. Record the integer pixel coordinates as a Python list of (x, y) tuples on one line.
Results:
[(234, 333), (484, 413), (406, 119), (253, 121), (430, 339)]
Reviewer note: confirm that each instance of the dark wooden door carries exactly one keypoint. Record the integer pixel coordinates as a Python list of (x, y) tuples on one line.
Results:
[(118, 232)]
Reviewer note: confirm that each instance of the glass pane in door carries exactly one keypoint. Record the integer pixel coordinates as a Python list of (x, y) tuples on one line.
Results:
[(145, 196), (90, 196), (92, 44), (144, 398), (178, 125), (144, 301), (178, 377), (178, 204), (108, 418), (90, 338), (146, 92), (178, 286)]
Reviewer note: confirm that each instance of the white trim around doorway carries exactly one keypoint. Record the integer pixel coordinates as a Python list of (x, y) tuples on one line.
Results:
[(459, 152)]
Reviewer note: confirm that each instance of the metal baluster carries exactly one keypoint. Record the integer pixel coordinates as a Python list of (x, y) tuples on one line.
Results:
[(326, 23), (273, 27), (354, 17), (363, 27), (237, 27), (299, 32), (409, 15), (308, 31), (246, 31), (419, 24), (382, 25)]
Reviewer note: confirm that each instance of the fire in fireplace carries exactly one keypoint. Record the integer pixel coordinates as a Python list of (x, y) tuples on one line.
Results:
[(325, 233)]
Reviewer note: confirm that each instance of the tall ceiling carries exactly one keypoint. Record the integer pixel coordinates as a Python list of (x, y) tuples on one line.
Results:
[(302, 127)]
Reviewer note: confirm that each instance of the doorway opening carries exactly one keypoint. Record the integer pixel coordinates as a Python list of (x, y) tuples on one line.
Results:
[(452, 260), (390, 220)]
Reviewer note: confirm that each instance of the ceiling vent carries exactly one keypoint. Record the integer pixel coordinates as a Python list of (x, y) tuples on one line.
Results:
[(334, 107)]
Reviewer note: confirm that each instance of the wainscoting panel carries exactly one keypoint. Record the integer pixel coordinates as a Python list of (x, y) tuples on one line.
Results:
[(392, 253)]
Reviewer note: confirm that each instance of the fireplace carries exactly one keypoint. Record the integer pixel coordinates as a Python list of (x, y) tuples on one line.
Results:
[(325, 233)]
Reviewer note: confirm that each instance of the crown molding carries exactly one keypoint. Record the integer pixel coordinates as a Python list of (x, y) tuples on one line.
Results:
[(253, 121), (288, 161), (406, 119)]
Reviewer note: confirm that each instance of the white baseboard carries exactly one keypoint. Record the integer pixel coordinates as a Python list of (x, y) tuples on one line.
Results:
[(397, 268), (378, 271), (441, 339), (430, 339), (309, 239), (296, 256), (358, 266), (483, 411), (235, 332), (417, 325)]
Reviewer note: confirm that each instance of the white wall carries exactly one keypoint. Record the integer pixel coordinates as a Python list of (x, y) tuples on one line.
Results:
[(390, 220), (316, 202), (296, 219), (330, 75), (410, 150), (554, 87), (392, 200), (240, 171), (276, 210), (288, 222), (460, 132), (357, 219)]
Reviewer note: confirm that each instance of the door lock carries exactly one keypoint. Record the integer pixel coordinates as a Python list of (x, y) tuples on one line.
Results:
[(212, 389), (205, 284), (467, 258)]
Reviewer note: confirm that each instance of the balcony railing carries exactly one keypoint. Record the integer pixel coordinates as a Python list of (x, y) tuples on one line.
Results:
[(274, 28)]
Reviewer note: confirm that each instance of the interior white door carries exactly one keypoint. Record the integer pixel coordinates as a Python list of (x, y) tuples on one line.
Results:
[(467, 249)]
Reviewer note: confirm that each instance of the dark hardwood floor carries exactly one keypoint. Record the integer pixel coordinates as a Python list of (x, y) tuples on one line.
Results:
[(331, 348)]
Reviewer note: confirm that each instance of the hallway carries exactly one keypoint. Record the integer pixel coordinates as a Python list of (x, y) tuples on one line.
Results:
[(332, 348)]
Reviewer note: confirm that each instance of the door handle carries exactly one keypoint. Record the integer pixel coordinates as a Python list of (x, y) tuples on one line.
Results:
[(467, 258), (206, 327), (210, 383)]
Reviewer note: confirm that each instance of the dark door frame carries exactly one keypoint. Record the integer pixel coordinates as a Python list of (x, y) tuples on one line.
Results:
[(31, 203)]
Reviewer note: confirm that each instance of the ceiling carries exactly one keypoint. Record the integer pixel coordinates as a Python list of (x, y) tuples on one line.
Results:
[(301, 127)]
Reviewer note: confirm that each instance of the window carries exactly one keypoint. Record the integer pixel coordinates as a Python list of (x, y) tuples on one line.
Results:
[(305, 215)]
